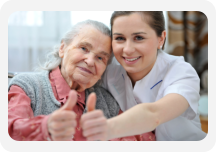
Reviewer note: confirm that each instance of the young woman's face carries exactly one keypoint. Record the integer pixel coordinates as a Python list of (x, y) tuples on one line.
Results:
[(135, 45)]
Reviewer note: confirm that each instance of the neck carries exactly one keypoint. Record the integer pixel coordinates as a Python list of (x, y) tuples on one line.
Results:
[(140, 75)]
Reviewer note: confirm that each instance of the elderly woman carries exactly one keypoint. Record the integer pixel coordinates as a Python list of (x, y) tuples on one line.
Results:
[(41, 105)]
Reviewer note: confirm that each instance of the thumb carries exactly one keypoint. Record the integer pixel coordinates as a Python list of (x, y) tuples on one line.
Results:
[(72, 99), (91, 102)]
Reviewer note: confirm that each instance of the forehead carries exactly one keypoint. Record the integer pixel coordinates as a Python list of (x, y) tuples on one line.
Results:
[(89, 33), (92, 36), (134, 21)]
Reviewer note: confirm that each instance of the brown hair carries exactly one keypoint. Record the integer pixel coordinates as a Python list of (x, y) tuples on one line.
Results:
[(155, 20)]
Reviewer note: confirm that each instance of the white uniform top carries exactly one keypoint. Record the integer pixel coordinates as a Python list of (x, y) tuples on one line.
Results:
[(170, 74)]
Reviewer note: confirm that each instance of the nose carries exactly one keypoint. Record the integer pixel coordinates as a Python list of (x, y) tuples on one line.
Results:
[(90, 59), (128, 48)]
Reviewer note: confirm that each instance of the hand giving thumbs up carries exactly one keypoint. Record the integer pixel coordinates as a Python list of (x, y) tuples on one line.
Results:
[(94, 123), (62, 122)]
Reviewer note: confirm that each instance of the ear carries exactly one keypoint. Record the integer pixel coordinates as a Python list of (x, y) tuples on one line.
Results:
[(61, 50), (161, 40)]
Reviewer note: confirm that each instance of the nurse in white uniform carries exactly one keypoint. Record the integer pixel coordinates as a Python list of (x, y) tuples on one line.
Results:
[(161, 91)]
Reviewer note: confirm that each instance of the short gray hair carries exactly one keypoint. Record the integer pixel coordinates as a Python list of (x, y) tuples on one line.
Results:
[(53, 60)]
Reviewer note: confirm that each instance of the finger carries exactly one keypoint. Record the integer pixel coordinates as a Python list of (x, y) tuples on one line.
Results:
[(72, 99), (91, 102), (95, 130), (58, 126), (61, 133), (63, 115), (96, 137), (91, 115), (94, 123), (62, 138)]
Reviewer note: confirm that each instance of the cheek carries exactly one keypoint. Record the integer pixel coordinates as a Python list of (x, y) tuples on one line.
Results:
[(117, 51), (148, 48), (153, 44), (100, 70), (72, 59), (150, 56), (76, 57), (116, 47)]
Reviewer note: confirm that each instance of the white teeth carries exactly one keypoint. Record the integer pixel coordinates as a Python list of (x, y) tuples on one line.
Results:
[(132, 59)]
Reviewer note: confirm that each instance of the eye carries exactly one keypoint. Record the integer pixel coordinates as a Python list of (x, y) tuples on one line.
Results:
[(119, 38), (100, 58), (139, 38), (84, 49)]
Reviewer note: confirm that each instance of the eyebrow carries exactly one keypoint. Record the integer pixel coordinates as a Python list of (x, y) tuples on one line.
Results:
[(139, 33), (104, 53), (86, 44), (117, 34), (90, 46), (131, 34)]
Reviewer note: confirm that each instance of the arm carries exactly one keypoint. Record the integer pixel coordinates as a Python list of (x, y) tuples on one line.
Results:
[(139, 119), (149, 136), (22, 125), (147, 116)]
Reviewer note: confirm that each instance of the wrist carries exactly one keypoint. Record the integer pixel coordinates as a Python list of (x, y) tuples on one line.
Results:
[(45, 130), (111, 129)]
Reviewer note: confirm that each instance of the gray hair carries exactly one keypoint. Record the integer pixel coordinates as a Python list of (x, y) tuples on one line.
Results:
[(53, 60)]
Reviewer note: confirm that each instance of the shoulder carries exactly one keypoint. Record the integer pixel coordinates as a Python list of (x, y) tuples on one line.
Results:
[(178, 75), (181, 78), (175, 64), (169, 59), (29, 76), (27, 79)]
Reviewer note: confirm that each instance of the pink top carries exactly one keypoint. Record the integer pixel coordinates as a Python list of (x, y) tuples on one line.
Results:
[(22, 125)]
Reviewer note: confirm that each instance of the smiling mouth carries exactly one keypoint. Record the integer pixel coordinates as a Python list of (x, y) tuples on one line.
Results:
[(86, 70), (132, 59)]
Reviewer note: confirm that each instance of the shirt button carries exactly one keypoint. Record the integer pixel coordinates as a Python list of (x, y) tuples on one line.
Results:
[(78, 95)]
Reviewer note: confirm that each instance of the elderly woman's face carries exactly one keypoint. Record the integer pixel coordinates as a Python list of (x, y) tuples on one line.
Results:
[(85, 59)]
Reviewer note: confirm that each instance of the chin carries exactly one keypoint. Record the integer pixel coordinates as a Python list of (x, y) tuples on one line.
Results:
[(84, 81), (130, 69)]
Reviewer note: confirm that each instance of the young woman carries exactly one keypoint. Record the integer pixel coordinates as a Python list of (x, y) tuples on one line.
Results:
[(161, 91)]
